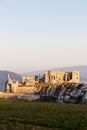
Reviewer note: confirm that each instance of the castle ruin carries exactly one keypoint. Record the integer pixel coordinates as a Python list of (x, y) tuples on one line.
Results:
[(28, 84)]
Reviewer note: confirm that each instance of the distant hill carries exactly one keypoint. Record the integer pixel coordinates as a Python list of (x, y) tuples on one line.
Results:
[(3, 78), (82, 69)]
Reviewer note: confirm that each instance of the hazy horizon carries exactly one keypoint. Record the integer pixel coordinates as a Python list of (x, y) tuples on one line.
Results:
[(40, 35), (48, 69)]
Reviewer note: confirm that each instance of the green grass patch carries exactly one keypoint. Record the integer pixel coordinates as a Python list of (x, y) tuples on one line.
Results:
[(25, 115)]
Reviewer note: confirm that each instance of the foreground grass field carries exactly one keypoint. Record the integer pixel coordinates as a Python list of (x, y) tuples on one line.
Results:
[(25, 115)]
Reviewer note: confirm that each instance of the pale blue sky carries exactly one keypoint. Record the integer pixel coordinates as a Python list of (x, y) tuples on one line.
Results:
[(42, 34)]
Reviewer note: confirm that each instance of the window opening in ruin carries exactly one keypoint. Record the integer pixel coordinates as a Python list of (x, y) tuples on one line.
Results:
[(36, 78), (9, 87), (67, 76), (54, 77)]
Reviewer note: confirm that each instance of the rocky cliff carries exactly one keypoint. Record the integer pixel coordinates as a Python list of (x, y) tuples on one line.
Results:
[(74, 93)]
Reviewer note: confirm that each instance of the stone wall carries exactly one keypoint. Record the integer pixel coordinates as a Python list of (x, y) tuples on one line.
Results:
[(25, 90), (58, 77), (28, 80)]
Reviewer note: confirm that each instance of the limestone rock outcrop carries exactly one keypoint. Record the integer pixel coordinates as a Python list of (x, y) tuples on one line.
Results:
[(71, 93)]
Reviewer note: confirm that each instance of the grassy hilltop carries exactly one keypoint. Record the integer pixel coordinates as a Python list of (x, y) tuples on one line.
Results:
[(25, 115)]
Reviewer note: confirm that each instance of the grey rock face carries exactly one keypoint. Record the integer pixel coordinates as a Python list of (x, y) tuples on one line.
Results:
[(29, 97), (74, 93)]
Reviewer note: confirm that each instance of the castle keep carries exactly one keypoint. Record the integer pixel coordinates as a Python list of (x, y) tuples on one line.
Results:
[(58, 77), (28, 84)]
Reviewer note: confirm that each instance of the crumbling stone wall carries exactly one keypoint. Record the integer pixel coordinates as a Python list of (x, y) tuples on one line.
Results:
[(59, 77)]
